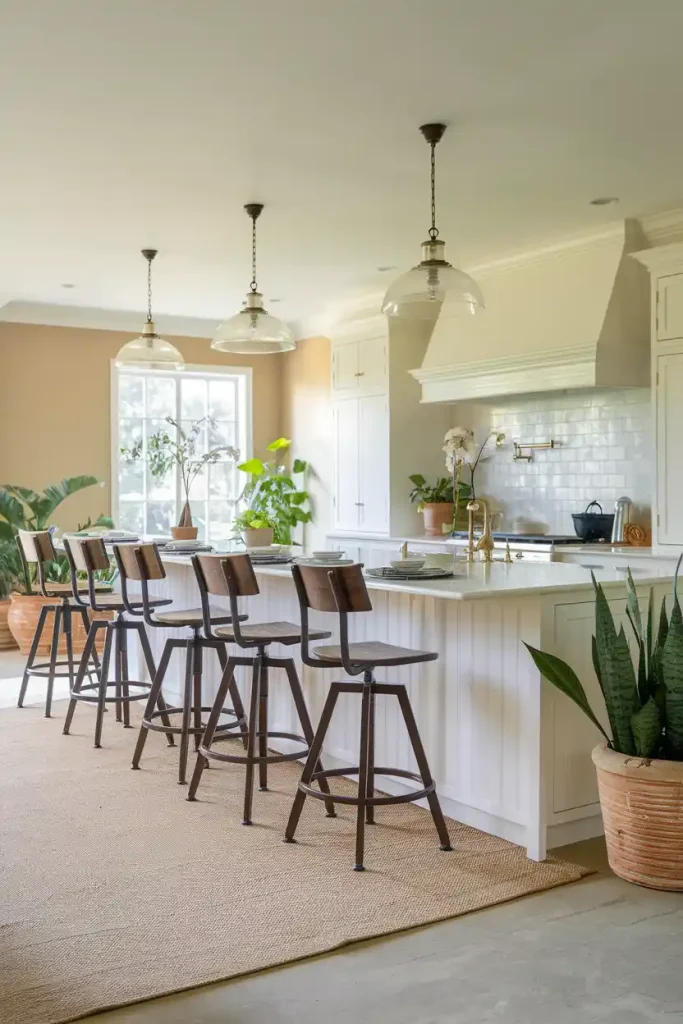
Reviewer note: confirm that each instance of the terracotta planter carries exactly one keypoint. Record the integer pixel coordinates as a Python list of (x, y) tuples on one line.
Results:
[(258, 538), (7, 641), (437, 514), (184, 532), (642, 810), (22, 620)]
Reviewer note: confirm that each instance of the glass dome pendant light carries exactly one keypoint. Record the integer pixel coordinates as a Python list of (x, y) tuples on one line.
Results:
[(419, 293), (149, 351), (253, 331)]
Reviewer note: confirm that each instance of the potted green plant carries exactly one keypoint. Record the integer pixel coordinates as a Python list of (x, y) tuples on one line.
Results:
[(257, 528), (10, 573), (435, 502), (640, 763), (271, 492), (179, 448), (24, 509)]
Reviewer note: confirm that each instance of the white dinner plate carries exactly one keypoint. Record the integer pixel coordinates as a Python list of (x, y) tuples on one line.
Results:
[(328, 564)]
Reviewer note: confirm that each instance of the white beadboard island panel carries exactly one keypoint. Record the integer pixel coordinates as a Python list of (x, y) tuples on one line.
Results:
[(510, 755)]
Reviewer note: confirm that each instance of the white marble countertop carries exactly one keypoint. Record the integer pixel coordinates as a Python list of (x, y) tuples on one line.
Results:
[(495, 579)]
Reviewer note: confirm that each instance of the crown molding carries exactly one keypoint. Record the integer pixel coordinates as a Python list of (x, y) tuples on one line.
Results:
[(664, 227)]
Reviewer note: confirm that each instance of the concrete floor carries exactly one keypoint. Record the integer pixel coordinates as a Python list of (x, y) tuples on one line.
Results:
[(596, 951)]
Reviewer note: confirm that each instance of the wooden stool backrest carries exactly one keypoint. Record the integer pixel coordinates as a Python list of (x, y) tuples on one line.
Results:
[(325, 589), (36, 548), (85, 554), (225, 576), (141, 563)]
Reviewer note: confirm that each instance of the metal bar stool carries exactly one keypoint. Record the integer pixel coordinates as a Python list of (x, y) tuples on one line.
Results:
[(343, 590), (141, 562), (36, 548), (90, 555), (233, 576)]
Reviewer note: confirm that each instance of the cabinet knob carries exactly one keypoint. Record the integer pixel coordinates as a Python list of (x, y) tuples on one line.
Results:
[(358, 503), (362, 374)]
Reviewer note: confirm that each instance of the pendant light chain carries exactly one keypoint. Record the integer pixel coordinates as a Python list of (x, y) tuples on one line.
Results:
[(433, 231), (253, 285), (149, 291)]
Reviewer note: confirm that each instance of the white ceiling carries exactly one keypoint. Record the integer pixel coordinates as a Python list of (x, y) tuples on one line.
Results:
[(150, 122)]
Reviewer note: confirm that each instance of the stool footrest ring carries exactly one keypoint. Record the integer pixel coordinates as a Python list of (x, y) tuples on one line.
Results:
[(84, 695), (371, 801), (296, 755), (36, 669), (176, 730)]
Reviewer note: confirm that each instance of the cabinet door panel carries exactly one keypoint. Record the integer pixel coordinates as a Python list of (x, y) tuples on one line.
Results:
[(346, 476), (670, 307), (668, 446), (373, 461), (372, 363), (345, 367)]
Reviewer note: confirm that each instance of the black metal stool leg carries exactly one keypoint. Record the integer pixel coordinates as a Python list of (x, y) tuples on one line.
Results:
[(44, 611), (117, 669), (363, 775), (89, 647), (251, 746), (125, 689), (69, 641), (53, 660), (151, 668), (227, 680), (423, 766), (370, 788), (306, 726), (94, 656), (197, 689), (104, 676), (312, 761), (187, 711), (237, 705), (153, 699), (263, 725)]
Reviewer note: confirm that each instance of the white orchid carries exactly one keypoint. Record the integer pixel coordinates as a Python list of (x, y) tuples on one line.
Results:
[(459, 447)]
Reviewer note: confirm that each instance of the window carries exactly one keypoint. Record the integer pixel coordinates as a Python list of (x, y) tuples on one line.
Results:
[(141, 401)]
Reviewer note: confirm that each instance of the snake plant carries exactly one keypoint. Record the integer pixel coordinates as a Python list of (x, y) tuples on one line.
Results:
[(644, 701)]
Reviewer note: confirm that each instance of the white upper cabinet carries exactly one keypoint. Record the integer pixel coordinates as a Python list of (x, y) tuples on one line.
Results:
[(346, 496), (359, 367), (361, 474), (668, 527), (669, 308)]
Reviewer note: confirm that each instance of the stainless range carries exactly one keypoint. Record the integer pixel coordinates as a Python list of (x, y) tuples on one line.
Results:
[(530, 547)]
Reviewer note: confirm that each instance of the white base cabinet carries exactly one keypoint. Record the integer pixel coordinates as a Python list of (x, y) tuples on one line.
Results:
[(361, 444)]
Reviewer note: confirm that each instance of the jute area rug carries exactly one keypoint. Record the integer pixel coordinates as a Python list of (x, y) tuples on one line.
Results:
[(114, 888)]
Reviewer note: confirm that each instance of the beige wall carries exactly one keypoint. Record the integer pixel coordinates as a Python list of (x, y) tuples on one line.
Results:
[(306, 416), (54, 406)]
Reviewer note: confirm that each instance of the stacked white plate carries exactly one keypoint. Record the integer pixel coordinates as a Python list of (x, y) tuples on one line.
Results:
[(273, 554), (329, 559)]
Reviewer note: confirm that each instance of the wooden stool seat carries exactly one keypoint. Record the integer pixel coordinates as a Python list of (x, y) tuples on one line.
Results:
[(193, 617), (260, 633), (371, 653), (115, 603)]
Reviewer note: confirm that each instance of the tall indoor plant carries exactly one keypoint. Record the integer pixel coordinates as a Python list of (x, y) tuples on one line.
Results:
[(22, 508), (271, 492), (179, 447), (640, 764)]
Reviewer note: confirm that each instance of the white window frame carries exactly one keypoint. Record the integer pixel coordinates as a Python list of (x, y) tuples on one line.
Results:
[(245, 375)]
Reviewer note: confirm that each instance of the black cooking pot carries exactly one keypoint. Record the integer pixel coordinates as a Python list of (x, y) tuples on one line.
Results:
[(591, 526)]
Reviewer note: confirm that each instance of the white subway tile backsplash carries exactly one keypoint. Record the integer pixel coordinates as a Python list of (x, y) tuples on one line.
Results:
[(604, 451)]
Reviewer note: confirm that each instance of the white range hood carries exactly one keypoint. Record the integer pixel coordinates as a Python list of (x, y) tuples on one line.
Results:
[(572, 316)]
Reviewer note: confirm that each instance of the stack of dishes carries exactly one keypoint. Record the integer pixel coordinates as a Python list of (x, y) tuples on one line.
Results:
[(325, 558), (411, 568), (272, 554), (184, 547)]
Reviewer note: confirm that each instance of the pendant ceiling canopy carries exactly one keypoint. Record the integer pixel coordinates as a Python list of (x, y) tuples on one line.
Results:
[(420, 292), (253, 331), (149, 351)]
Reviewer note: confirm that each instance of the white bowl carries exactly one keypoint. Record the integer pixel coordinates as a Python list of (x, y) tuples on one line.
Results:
[(327, 556), (408, 564)]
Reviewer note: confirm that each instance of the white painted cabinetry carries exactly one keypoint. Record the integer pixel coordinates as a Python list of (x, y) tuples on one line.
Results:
[(665, 263), (381, 432)]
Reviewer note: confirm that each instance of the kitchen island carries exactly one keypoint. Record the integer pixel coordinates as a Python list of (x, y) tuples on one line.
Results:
[(509, 754)]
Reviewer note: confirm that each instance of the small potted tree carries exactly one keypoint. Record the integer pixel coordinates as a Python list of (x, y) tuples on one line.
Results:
[(640, 763), (179, 448), (272, 497)]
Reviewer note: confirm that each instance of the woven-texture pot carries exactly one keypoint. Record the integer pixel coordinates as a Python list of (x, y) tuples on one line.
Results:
[(22, 620), (642, 810), (7, 641)]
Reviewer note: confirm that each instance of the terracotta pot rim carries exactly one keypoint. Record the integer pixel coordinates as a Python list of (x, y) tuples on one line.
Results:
[(657, 768), (437, 504)]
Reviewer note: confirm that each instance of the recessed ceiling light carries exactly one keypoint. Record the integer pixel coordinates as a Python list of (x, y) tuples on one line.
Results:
[(604, 201), (385, 270), (68, 285)]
